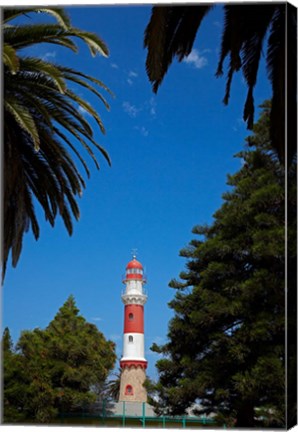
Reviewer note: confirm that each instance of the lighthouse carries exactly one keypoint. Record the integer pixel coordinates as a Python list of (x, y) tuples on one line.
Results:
[(133, 363)]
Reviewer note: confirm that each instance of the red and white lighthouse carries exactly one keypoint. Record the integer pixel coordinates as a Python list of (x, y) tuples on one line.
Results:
[(133, 363)]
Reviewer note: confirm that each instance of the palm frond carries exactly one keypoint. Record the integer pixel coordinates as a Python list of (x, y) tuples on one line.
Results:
[(87, 86), (94, 43), (102, 150), (10, 58), (68, 142), (73, 128), (39, 107), (86, 106), (40, 111), (27, 35), (245, 28), (291, 91), (170, 32), (65, 214), (231, 38), (46, 94), (30, 211), (276, 57), (88, 77), (59, 14), (251, 53), (24, 119), (42, 67), (65, 42)]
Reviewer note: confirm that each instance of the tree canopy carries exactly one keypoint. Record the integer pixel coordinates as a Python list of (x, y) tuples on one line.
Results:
[(42, 123), (226, 341), (57, 369), (171, 33)]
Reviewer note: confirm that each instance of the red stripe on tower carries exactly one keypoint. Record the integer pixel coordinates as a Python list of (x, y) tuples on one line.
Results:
[(134, 318)]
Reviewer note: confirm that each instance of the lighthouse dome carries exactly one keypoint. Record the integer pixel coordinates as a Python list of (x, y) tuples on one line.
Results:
[(134, 270), (134, 264)]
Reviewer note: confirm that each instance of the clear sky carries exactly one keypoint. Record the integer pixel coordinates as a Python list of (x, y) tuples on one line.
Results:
[(170, 152)]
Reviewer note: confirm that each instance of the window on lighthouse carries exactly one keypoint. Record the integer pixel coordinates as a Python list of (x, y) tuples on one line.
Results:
[(130, 316), (130, 338), (134, 271), (128, 390)]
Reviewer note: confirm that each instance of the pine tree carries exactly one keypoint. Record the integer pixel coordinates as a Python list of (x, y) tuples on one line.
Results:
[(88, 355), (61, 365), (226, 341), (14, 386)]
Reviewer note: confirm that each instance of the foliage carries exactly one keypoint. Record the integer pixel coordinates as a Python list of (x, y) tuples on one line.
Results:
[(226, 341), (114, 386), (43, 119), (14, 387), (172, 30), (60, 366)]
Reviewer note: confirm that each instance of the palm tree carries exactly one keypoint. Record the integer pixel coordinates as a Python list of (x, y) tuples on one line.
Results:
[(172, 30), (42, 123), (114, 386)]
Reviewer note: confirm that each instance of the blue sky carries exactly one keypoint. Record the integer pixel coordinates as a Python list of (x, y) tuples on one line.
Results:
[(170, 152)]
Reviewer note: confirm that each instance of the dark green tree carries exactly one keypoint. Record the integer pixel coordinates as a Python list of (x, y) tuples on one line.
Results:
[(44, 131), (64, 363), (171, 33), (88, 355), (226, 341), (14, 382)]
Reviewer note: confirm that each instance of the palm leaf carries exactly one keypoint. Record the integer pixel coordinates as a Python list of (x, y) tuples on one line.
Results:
[(251, 53), (38, 107), (27, 35), (86, 106), (88, 77), (102, 150), (37, 65), (61, 16), (94, 43), (42, 178), (244, 31), (55, 103), (57, 13), (68, 142), (231, 38), (72, 128), (170, 32), (10, 58), (276, 57), (155, 41), (24, 119), (31, 213), (65, 214), (291, 92), (30, 99), (87, 86)]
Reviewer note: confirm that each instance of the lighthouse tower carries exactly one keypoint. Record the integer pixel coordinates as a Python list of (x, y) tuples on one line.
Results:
[(133, 363)]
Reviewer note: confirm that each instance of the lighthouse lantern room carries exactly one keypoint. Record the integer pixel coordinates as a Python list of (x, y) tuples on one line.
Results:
[(133, 363)]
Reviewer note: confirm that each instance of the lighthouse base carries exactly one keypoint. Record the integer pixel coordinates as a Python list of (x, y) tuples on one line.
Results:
[(131, 384)]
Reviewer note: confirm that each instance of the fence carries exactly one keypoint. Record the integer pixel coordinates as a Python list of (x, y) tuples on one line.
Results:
[(133, 414)]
